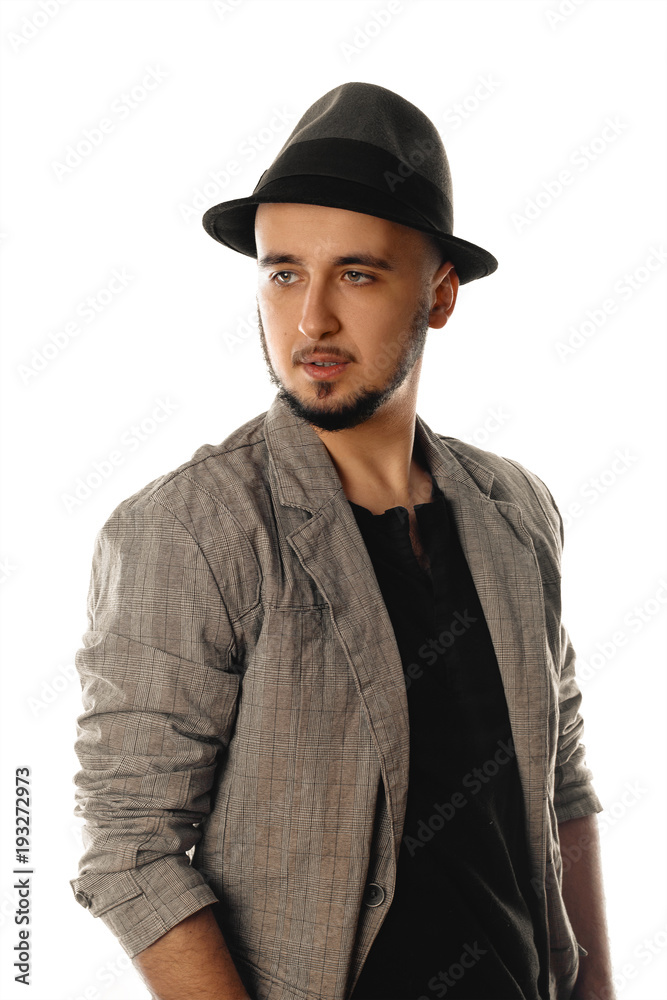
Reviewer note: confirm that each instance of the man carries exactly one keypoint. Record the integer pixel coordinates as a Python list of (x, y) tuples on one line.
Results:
[(327, 654)]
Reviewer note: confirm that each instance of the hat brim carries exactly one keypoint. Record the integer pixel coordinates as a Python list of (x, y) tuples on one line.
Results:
[(232, 223)]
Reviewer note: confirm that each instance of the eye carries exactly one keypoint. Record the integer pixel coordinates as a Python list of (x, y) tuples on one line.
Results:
[(280, 275), (284, 278)]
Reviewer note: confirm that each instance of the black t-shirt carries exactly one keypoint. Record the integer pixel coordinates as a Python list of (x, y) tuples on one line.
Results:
[(463, 923)]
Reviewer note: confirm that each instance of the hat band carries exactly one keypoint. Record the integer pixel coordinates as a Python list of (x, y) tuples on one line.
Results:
[(364, 163)]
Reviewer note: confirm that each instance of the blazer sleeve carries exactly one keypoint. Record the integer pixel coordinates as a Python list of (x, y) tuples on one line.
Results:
[(159, 695), (574, 795)]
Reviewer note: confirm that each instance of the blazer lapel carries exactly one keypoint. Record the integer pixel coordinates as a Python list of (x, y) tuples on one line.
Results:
[(503, 565), (505, 570), (331, 550)]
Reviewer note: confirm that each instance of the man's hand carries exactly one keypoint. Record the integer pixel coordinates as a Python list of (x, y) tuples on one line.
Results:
[(191, 960), (584, 902)]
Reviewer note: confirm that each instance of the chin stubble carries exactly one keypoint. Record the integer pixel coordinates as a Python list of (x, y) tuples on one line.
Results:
[(365, 402)]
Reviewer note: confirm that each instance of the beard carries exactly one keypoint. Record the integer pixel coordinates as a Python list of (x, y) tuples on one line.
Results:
[(365, 401)]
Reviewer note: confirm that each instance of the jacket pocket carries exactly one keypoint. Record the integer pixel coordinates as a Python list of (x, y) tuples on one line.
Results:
[(262, 986)]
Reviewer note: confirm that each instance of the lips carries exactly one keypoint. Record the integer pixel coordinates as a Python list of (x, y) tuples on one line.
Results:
[(324, 358), (324, 367)]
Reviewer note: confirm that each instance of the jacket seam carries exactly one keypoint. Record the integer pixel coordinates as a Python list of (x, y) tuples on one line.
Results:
[(539, 499), (192, 464), (216, 500), (462, 459), (147, 645), (232, 644)]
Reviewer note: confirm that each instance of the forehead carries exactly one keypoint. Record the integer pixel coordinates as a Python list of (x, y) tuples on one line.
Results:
[(321, 229)]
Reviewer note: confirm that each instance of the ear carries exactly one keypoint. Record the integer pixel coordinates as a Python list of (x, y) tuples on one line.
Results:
[(445, 287)]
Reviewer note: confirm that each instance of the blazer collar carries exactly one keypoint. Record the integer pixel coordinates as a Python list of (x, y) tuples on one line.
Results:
[(305, 475)]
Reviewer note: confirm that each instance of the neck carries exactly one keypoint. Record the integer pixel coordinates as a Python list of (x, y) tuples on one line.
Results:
[(378, 463)]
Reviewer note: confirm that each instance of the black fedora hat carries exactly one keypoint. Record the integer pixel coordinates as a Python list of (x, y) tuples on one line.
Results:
[(365, 149)]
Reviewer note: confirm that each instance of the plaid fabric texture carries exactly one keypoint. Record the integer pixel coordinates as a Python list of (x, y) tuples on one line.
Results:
[(244, 697)]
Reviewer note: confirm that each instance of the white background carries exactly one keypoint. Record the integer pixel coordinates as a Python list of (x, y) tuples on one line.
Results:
[(536, 92)]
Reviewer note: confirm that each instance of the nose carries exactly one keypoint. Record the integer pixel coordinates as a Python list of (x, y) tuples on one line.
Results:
[(317, 316)]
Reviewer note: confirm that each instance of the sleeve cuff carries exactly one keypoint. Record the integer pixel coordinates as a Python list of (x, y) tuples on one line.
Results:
[(141, 905), (576, 801)]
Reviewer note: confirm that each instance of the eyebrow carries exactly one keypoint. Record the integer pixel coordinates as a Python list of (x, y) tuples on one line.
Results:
[(363, 259)]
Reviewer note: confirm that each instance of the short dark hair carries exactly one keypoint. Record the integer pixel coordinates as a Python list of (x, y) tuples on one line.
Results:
[(436, 253)]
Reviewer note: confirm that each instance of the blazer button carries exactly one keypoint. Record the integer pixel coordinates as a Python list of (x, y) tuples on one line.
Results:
[(373, 894), (82, 898)]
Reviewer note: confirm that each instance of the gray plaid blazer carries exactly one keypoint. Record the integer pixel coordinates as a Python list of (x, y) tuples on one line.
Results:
[(244, 739)]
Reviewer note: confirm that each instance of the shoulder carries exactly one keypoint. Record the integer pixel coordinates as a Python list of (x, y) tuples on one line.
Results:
[(512, 483), (214, 474)]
